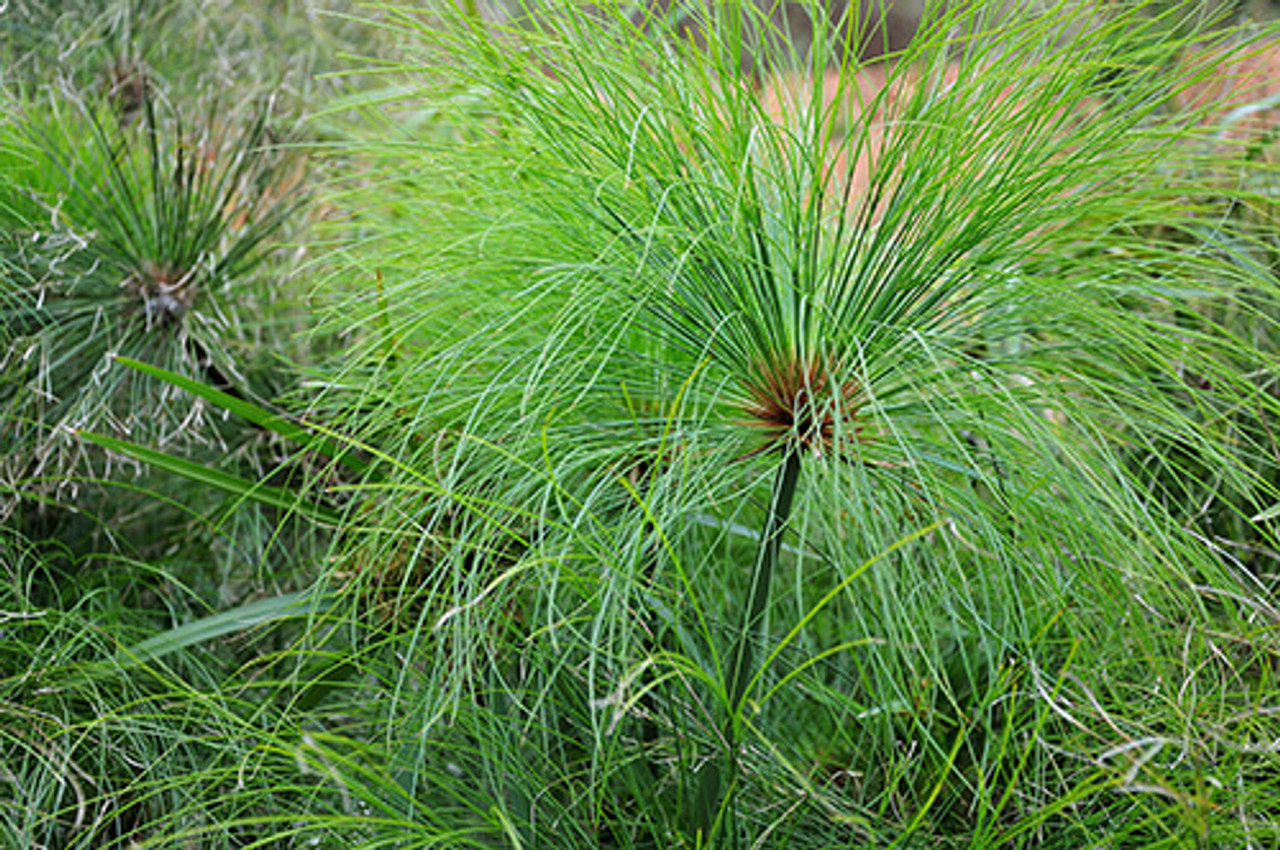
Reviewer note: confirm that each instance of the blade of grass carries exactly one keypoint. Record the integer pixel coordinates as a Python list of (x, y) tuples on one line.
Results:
[(266, 494), (251, 412)]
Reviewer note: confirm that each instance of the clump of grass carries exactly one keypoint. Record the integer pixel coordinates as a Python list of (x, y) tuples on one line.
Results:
[(732, 470), (649, 292), (142, 241)]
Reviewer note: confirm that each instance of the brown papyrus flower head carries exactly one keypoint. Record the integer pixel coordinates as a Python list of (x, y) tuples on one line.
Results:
[(804, 402)]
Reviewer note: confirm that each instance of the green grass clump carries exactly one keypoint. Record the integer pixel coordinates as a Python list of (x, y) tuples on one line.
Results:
[(723, 448), (649, 292), (134, 240)]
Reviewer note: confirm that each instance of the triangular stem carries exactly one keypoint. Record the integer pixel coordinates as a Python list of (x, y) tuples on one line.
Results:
[(741, 659), (742, 656)]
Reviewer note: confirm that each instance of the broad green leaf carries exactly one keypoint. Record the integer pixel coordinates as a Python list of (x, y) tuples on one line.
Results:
[(265, 494), (254, 413), (301, 604)]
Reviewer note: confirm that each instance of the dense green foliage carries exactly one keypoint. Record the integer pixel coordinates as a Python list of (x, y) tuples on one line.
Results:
[(596, 427)]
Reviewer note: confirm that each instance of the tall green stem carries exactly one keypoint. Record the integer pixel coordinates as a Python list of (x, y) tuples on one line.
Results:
[(741, 659), (714, 783)]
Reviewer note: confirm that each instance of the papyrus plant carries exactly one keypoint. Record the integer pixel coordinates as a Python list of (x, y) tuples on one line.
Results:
[(642, 321), (139, 238)]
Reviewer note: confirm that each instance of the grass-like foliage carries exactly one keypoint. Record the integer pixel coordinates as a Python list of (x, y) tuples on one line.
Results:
[(137, 237), (733, 445), (651, 272)]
